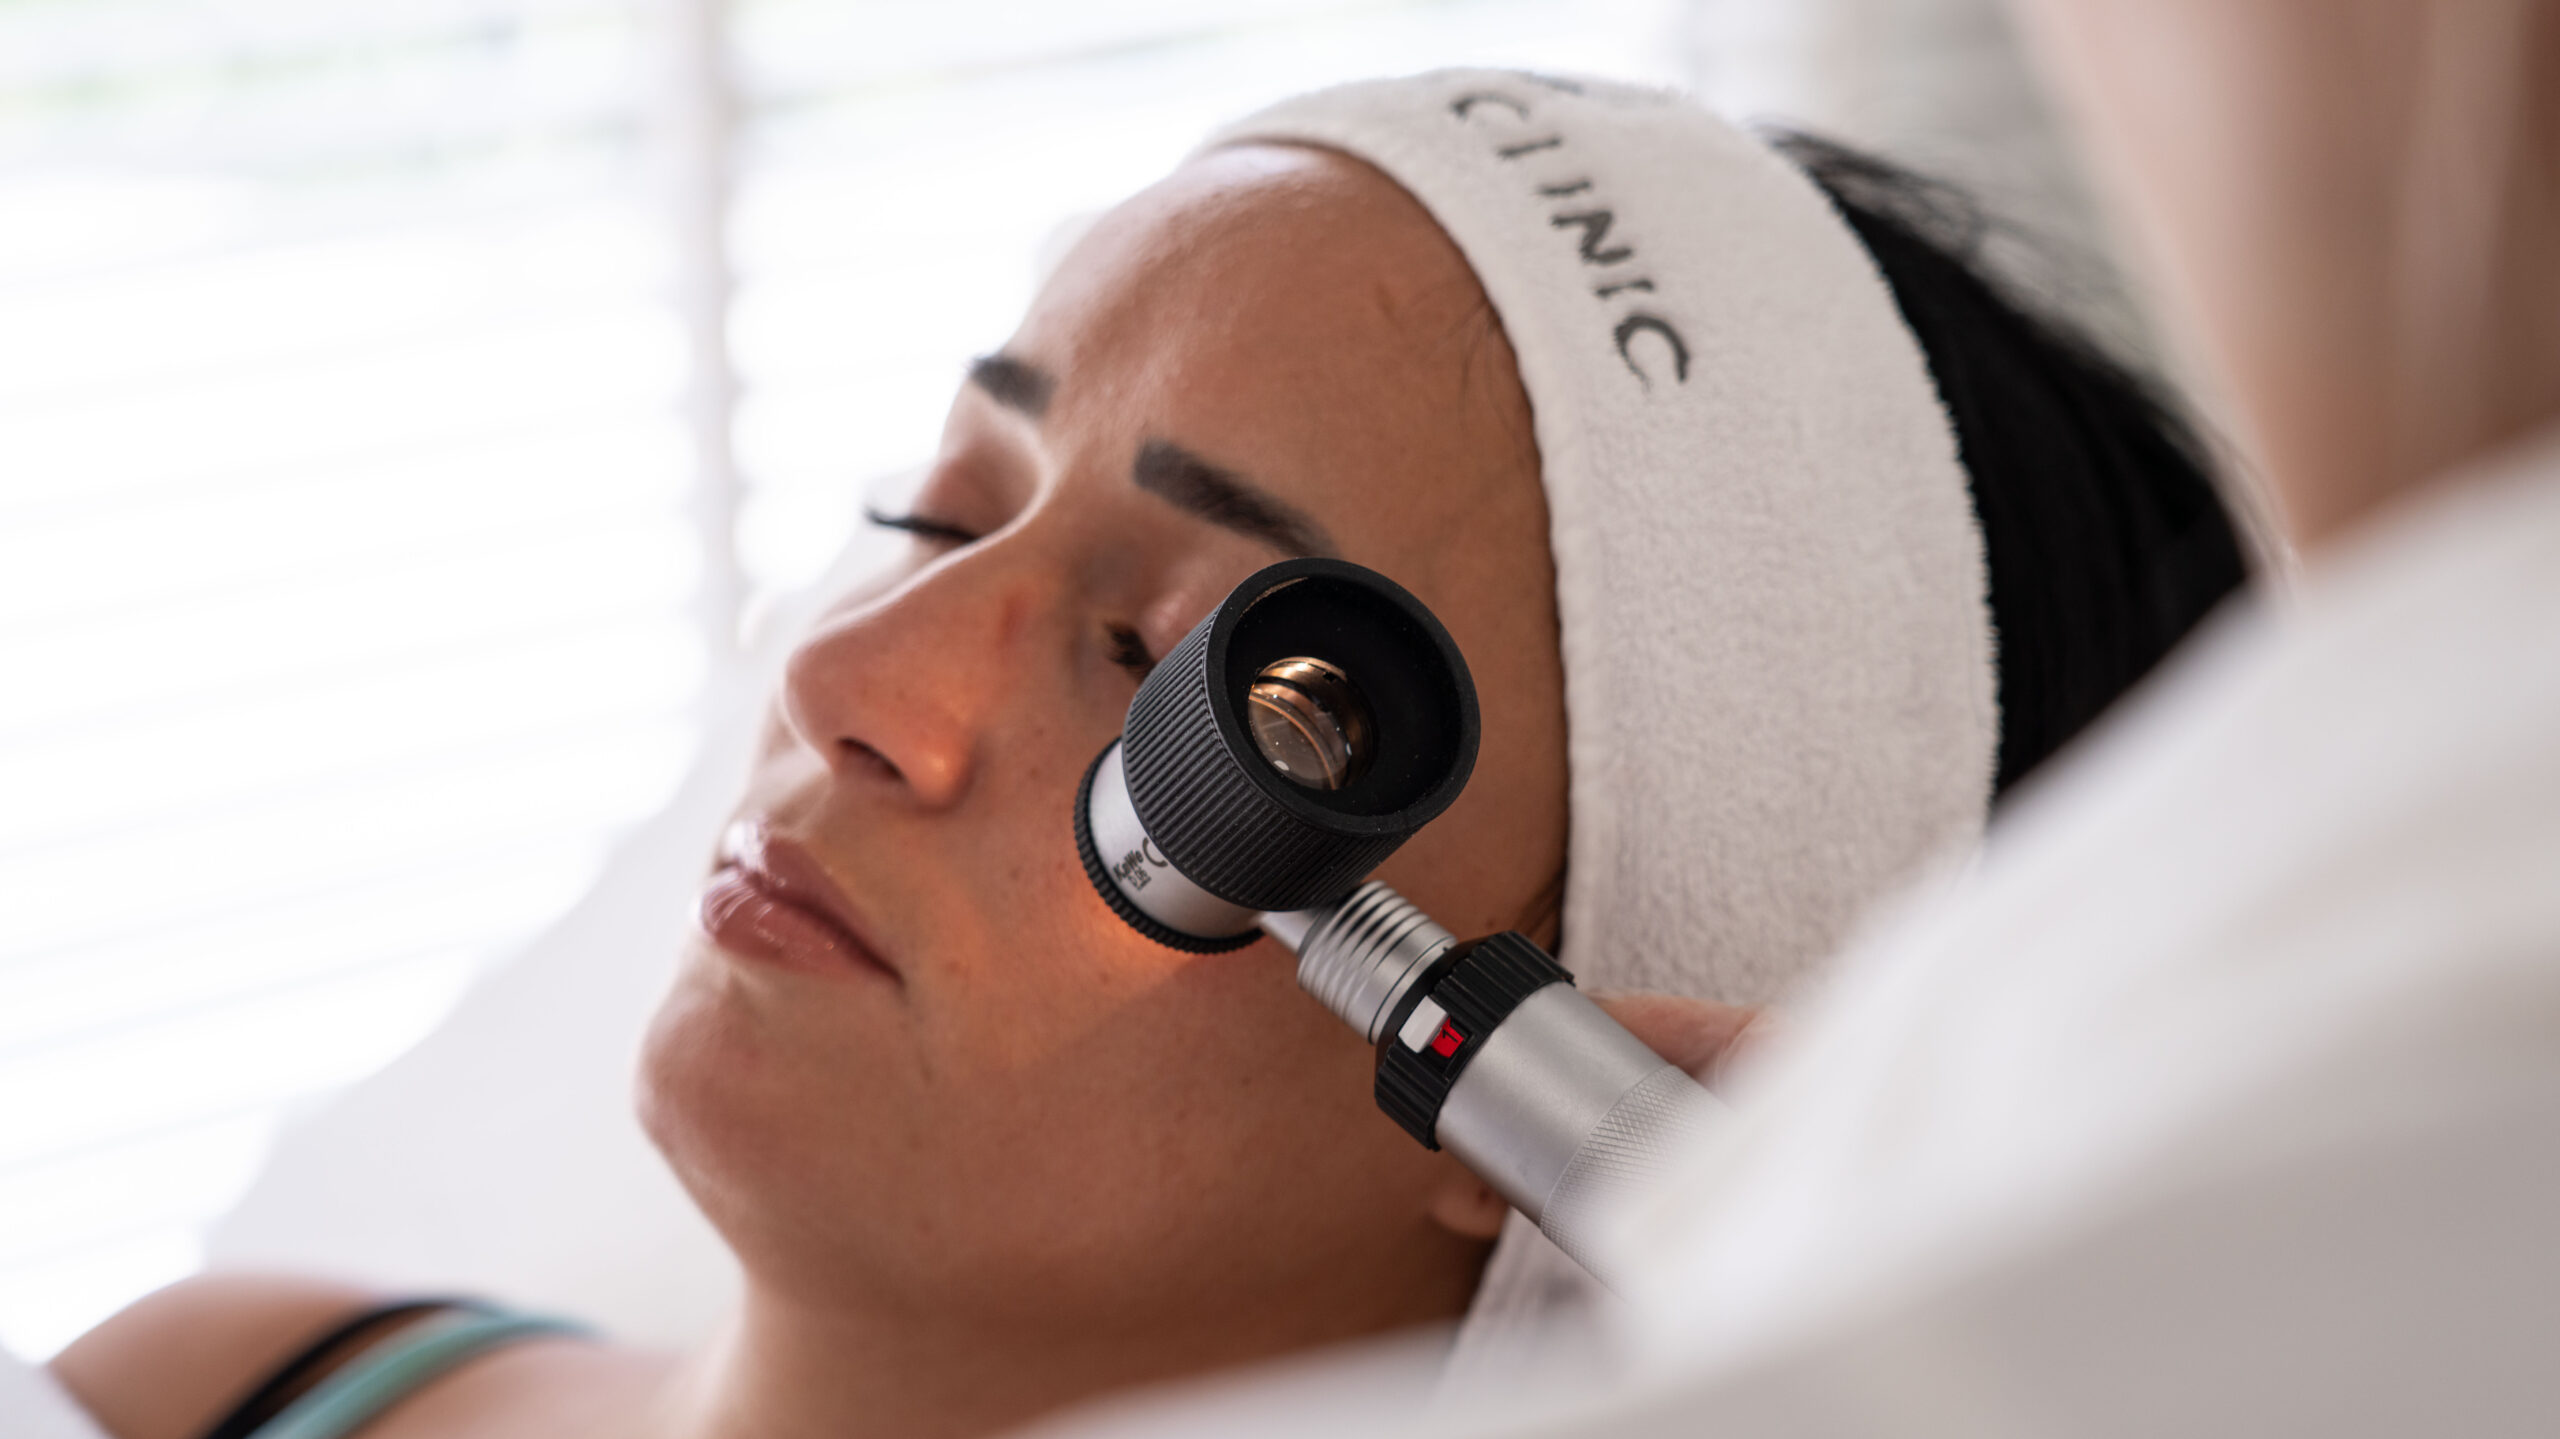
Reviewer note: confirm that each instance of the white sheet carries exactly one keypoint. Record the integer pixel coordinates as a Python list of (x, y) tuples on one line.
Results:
[(32, 1406)]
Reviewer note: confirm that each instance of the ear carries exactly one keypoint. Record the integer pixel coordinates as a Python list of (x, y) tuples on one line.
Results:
[(1465, 1205)]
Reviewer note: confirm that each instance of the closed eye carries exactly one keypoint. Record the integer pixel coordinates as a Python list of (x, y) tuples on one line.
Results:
[(1127, 648), (921, 526), (1129, 651)]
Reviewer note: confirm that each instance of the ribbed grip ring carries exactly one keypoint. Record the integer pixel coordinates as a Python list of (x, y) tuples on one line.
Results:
[(1209, 817), (1500, 970), (1486, 981), (1357, 960)]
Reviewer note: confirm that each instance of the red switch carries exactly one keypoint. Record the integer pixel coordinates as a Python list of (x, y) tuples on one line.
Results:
[(1446, 1042)]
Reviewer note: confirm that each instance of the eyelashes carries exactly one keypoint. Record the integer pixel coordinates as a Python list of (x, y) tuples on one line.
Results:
[(1129, 651), (1125, 646), (920, 526)]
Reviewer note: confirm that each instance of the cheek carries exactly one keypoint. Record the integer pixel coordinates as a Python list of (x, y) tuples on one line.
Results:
[(1097, 1132), (1487, 864), (1167, 1119)]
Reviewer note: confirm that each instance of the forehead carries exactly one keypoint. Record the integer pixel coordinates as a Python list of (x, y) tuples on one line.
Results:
[(1305, 240), (1292, 314)]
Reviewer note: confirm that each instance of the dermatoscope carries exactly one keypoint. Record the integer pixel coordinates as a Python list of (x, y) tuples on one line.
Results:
[(1290, 743)]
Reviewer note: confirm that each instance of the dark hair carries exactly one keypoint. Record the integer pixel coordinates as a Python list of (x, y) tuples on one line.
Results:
[(2105, 538)]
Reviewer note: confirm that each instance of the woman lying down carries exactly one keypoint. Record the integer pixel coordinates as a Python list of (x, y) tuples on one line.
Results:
[(1778, 546)]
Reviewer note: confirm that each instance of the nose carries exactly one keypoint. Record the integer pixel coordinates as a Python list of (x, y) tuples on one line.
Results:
[(903, 690)]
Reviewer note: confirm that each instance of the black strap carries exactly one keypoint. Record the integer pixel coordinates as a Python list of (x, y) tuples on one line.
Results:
[(316, 1361)]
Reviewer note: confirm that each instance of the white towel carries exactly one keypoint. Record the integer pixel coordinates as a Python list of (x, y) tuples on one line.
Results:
[(1777, 640)]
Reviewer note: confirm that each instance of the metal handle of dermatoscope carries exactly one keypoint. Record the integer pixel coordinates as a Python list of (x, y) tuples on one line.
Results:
[(1556, 1105)]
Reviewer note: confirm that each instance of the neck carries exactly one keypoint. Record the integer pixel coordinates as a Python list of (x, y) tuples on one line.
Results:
[(787, 1368)]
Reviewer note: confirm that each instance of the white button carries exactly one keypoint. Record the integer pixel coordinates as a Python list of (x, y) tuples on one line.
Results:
[(1423, 1023)]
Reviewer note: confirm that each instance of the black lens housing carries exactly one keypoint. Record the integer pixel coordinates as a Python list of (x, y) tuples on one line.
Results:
[(1240, 829)]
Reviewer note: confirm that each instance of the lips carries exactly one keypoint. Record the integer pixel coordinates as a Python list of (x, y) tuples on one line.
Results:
[(770, 901)]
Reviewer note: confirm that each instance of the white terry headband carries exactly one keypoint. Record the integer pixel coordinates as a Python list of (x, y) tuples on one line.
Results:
[(1777, 642)]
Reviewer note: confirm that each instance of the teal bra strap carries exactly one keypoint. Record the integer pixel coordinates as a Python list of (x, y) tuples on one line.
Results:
[(397, 1367)]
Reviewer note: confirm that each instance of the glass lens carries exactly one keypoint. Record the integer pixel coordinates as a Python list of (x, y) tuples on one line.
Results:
[(1309, 722)]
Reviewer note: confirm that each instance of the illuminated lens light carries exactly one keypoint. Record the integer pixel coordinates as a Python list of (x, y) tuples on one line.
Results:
[(1309, 722)]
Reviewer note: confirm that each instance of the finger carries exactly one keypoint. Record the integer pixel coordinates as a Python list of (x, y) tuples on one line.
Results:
[(1696, 1034)]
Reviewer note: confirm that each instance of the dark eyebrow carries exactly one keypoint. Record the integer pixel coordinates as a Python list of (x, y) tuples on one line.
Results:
[(1225, 498), (1014, 384)]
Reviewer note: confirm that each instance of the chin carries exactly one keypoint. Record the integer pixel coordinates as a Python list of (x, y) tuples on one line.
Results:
[(700, 1092), (737, 1123)]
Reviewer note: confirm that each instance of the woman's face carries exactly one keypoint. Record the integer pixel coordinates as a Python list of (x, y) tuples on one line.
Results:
[(997, 1099)]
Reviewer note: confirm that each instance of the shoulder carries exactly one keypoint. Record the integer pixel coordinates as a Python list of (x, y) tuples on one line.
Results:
[(167, 1365)]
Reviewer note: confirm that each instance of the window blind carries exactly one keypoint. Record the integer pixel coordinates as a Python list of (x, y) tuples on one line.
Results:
[(344, 567)]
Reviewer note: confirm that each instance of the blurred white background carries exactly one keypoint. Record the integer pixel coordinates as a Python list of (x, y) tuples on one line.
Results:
[(404, 405)]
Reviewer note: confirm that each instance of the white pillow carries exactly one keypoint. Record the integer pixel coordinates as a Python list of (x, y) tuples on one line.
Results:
[(32, 1406)]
